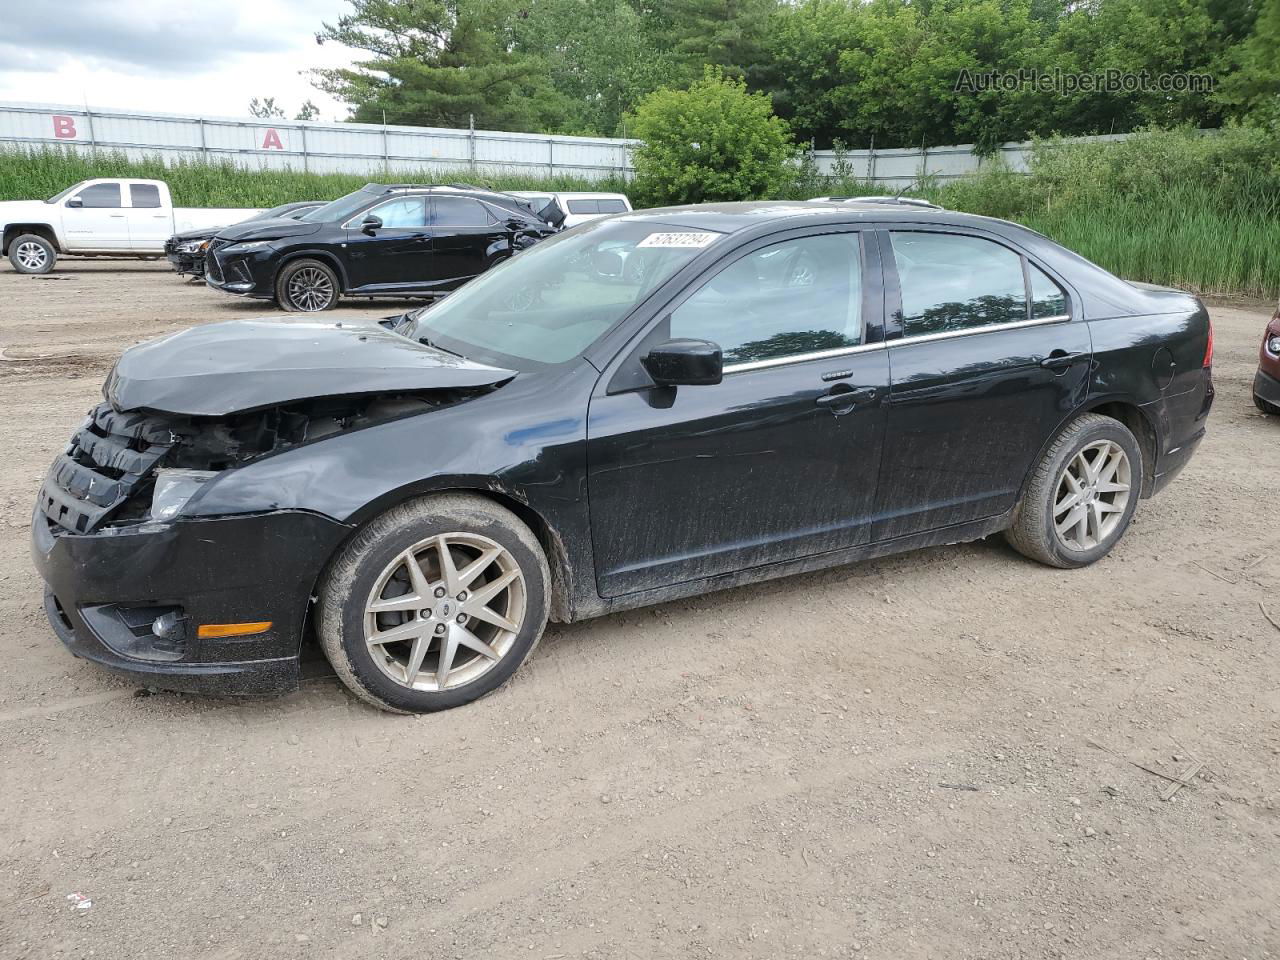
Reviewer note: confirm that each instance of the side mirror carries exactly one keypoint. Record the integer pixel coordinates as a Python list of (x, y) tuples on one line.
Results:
[(75, 202), (371, 223), (685, 363)]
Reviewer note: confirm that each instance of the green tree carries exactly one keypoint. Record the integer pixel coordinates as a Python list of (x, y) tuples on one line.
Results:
[(438, 63), (598, 55), (713, 141), (730, 34), (1251, 88)]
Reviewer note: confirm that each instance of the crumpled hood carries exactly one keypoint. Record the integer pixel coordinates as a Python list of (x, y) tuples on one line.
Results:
[(242, 365), (276, 229), (202, 233)]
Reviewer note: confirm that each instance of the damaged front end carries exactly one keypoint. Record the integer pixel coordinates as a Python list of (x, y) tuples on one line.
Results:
[(124, 468), (216, 603)]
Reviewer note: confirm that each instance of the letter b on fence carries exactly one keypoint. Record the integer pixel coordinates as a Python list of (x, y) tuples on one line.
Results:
[(64, 128)]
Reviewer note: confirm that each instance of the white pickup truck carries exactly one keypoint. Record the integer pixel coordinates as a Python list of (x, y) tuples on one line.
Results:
[(113, 218)]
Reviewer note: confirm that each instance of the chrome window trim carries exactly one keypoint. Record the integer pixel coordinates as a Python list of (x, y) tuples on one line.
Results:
[(801, 358), (986, 328)]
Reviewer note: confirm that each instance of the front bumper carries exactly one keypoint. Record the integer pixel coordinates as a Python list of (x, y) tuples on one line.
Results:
[(1266, 387), (245, 274), (105, 588)]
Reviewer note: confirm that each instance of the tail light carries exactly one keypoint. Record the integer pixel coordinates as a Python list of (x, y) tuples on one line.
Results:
[(1208, 347)]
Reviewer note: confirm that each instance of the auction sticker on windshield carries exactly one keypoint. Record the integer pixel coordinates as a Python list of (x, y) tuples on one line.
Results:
[(677, 240)]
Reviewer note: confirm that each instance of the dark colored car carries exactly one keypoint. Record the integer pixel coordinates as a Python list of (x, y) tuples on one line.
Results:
[(1266, 382), (381, 240), (781, 388), (185, 251)]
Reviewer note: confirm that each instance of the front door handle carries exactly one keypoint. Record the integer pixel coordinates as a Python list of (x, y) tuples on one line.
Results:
[(1060, 360), (846, 398)]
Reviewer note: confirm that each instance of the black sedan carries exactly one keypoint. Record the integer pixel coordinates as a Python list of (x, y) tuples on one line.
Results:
[(185, 251), (647, 407), (398, 240)]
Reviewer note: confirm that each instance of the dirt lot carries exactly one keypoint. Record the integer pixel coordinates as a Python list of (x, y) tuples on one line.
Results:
[(929, 756)]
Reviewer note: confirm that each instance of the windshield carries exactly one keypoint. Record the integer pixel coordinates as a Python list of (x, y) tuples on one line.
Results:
[(338, 210), (555, 299), (58, 196)]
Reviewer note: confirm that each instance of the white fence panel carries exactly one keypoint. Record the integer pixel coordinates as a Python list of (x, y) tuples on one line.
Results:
[(374, 150)]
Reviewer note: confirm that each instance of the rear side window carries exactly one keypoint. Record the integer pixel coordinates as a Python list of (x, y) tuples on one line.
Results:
[(612, 206), (788, 299), (951, 282), (584, 206), (100, 195), (144, 195), (458, 212), (1047, 298)]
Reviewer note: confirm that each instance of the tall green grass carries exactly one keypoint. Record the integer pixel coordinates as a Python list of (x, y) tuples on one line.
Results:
[(27, 174), (1173, 207)]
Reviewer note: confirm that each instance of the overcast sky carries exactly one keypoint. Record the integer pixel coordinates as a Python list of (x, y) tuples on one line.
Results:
[(167, 55)]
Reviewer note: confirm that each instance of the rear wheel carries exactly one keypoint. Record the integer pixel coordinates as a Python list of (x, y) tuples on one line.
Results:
[(307, 286), (32, 254), (434, 604), (1082, 495)]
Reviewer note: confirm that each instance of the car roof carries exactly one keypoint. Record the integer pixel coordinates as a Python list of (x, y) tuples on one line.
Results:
[(461, 189), (734, 217)]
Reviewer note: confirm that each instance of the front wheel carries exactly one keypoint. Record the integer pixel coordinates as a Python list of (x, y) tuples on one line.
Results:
[(32, 254), (1265, 406), (1082, 495), (307, 286), (434, 604)]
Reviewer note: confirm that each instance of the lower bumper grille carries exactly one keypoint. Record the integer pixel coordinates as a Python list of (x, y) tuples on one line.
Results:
[(108, 460)]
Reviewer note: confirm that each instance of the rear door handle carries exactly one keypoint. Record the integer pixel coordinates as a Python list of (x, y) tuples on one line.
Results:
[(1060, 360), (846, 397)]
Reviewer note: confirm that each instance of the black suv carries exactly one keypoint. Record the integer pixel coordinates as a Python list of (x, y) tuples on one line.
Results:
[(381, 240)]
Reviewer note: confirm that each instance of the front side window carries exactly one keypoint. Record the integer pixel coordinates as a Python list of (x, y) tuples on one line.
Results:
[(405, 213), (787, 299), (144, 195), (951, 282), (458, 212), (100, 195), (612, 206)]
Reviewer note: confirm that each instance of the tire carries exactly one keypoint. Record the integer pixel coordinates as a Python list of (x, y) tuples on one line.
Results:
[(1046, 506), (32, 254), (1265, 406), (372, 568), (307, 286)]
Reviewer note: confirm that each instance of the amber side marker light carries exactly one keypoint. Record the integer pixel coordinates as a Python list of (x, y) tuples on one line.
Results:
[(209, 631)]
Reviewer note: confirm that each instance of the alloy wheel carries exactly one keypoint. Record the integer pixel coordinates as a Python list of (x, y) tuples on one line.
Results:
[(310, 289), (1092, 494), (445, 611), (32, 256)]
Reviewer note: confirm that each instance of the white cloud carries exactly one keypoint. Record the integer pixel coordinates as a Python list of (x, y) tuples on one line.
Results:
[(166, 56)]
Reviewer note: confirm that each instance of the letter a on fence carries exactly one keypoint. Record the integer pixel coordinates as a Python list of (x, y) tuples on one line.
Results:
[(272, 140)]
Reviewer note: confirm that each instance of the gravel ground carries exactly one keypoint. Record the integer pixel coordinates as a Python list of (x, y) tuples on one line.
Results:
[(934, 755)]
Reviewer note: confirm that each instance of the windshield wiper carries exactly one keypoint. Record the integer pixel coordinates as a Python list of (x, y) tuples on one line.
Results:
[(435, 346)]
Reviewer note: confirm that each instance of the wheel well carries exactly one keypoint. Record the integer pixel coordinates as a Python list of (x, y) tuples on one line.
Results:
[(326, 258), (14, 230), (1133, 418), (552, 544)]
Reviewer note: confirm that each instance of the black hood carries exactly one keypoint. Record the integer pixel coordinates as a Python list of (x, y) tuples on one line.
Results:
[(242, 365), (267, 230)]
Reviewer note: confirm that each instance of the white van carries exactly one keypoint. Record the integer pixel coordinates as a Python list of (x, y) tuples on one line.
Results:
[(578, 207)]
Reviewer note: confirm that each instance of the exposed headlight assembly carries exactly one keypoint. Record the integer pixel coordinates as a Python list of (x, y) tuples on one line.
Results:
[(192, 246), (174, 488), (249, 247)]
